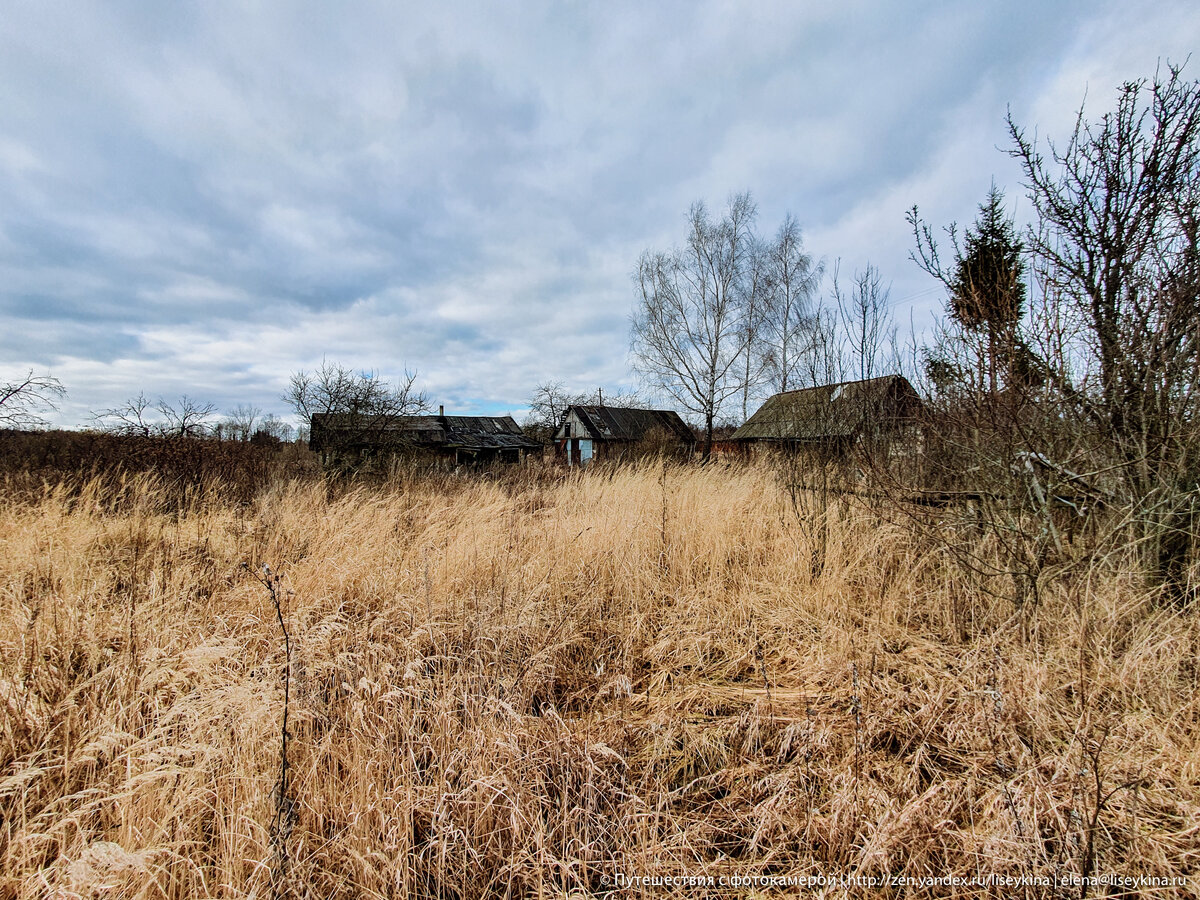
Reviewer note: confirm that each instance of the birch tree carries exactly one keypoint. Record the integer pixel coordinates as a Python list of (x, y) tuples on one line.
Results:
[(688, 330), (788, 325)]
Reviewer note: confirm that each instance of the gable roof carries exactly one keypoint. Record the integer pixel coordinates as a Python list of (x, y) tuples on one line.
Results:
[(342, 430), (831, 411), (619, 423)]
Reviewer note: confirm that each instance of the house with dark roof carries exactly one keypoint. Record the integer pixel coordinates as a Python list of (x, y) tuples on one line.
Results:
[(833, 417), (586, 433), (349, 440)]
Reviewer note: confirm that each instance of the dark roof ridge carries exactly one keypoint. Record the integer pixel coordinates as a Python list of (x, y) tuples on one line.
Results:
[(834, 384)]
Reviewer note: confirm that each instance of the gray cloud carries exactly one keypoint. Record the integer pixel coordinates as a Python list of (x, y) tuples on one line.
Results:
[(202, 199)]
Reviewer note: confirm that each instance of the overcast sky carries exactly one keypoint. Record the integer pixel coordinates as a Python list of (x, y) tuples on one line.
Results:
[(202, 198)]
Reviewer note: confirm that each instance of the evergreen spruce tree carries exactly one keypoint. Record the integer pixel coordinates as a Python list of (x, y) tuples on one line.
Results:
[(987, 289)]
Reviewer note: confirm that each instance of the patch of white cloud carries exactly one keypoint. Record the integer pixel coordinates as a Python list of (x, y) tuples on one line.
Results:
[(17, 159)]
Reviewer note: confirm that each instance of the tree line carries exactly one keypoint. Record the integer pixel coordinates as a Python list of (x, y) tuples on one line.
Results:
[(25, 402)]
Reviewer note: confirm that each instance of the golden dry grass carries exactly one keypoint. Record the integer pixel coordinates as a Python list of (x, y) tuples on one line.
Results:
[(532, 689)]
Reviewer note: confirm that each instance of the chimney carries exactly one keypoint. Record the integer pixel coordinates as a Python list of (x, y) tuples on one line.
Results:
[(441, 410)]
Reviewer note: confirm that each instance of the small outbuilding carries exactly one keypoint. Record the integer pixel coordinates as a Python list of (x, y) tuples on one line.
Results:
[(586, 433), (346, 439), (833, 417)]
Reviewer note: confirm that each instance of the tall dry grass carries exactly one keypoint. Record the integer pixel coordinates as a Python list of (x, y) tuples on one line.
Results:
[(532, 688)]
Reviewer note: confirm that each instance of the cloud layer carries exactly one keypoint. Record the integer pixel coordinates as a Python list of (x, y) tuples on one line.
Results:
[(202, 198)]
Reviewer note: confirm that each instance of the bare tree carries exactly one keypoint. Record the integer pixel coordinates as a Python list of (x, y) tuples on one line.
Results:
[(630, 399), (688, 332), (824, 358), (546, 406), (22, 401), (145, 418), (788, 327), (239, 422), (866, 322), (362, 408), (1116, 246), (334, 388), (134, 417), (185, 418), (756, 310)]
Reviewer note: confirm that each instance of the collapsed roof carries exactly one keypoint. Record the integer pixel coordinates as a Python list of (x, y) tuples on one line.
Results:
[(331, 431)]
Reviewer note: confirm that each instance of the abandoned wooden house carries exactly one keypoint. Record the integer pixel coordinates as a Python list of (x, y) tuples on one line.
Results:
[(586, 433), (347, 440), (832, 418)]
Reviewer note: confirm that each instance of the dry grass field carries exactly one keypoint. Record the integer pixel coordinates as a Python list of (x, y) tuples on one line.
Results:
[(546, 686)]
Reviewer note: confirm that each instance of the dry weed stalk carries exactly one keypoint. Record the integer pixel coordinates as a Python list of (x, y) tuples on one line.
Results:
[(284, 819)]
